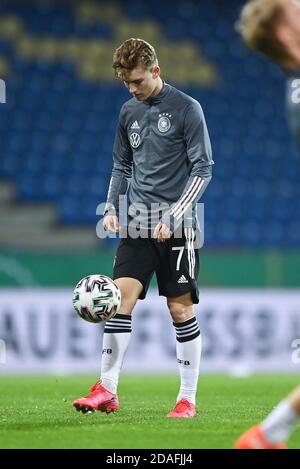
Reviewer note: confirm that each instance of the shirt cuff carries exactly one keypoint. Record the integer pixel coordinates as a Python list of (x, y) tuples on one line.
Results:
[(109, 209)]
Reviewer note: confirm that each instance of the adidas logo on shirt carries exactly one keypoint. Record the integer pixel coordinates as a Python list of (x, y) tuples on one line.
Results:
[(135, 125), (182, 279)]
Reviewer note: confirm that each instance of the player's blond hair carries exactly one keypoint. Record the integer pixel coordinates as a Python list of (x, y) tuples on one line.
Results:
[(133, 53), (257, 26)]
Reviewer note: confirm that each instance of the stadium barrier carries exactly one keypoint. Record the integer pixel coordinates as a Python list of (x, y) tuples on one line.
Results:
[(243, 331), (218, 268)]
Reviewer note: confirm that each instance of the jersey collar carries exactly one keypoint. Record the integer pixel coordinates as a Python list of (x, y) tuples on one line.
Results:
[(160, 96)]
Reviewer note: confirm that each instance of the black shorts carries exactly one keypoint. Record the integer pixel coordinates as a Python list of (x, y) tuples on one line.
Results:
[(175, 262)]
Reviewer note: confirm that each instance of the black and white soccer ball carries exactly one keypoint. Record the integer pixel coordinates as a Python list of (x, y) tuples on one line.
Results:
[(96, 298)]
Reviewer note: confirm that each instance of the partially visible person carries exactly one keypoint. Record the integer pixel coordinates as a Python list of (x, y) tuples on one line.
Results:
[(272, 27), (275, 430)]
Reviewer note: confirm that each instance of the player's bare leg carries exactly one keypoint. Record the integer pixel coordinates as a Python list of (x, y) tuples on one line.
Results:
[(116, 339), (188, 349)]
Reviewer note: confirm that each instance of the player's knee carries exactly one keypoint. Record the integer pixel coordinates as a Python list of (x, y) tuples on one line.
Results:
[(180, 312), (130, 291)]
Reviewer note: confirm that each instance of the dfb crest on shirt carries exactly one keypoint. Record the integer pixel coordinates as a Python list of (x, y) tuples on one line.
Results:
[(164, 122), (135, 140)]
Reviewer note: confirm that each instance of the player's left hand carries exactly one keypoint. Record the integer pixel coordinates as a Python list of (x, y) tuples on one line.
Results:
[(162, 232)]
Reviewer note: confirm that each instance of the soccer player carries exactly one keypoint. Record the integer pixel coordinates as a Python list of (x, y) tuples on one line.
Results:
[(273, 28), (162, 152)]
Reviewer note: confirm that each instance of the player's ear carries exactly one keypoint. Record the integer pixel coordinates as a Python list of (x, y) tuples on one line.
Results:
[(155, 71), (284, 36)]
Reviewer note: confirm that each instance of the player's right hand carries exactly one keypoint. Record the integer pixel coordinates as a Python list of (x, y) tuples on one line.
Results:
[(111, 223)]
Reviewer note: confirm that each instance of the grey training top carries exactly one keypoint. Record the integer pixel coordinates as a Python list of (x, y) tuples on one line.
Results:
[(162, 149), (293, 104)]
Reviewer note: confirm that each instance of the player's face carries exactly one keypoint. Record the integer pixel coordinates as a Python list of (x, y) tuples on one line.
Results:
[(142, 83)]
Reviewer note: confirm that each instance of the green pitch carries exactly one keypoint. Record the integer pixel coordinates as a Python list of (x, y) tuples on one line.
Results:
[(37, 412)]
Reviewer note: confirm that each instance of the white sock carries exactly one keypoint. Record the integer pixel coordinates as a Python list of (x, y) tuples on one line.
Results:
[(188, 350), (116, 339), (280, 423)]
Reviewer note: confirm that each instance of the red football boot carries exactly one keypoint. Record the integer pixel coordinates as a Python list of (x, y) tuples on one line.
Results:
[(255, 439), (183, 409), (100, 398)]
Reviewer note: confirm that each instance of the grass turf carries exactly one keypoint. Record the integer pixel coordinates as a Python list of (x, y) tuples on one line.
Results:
[(37, 412)]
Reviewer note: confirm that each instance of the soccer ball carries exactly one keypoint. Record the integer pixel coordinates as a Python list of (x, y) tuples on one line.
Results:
[(96, 298)]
